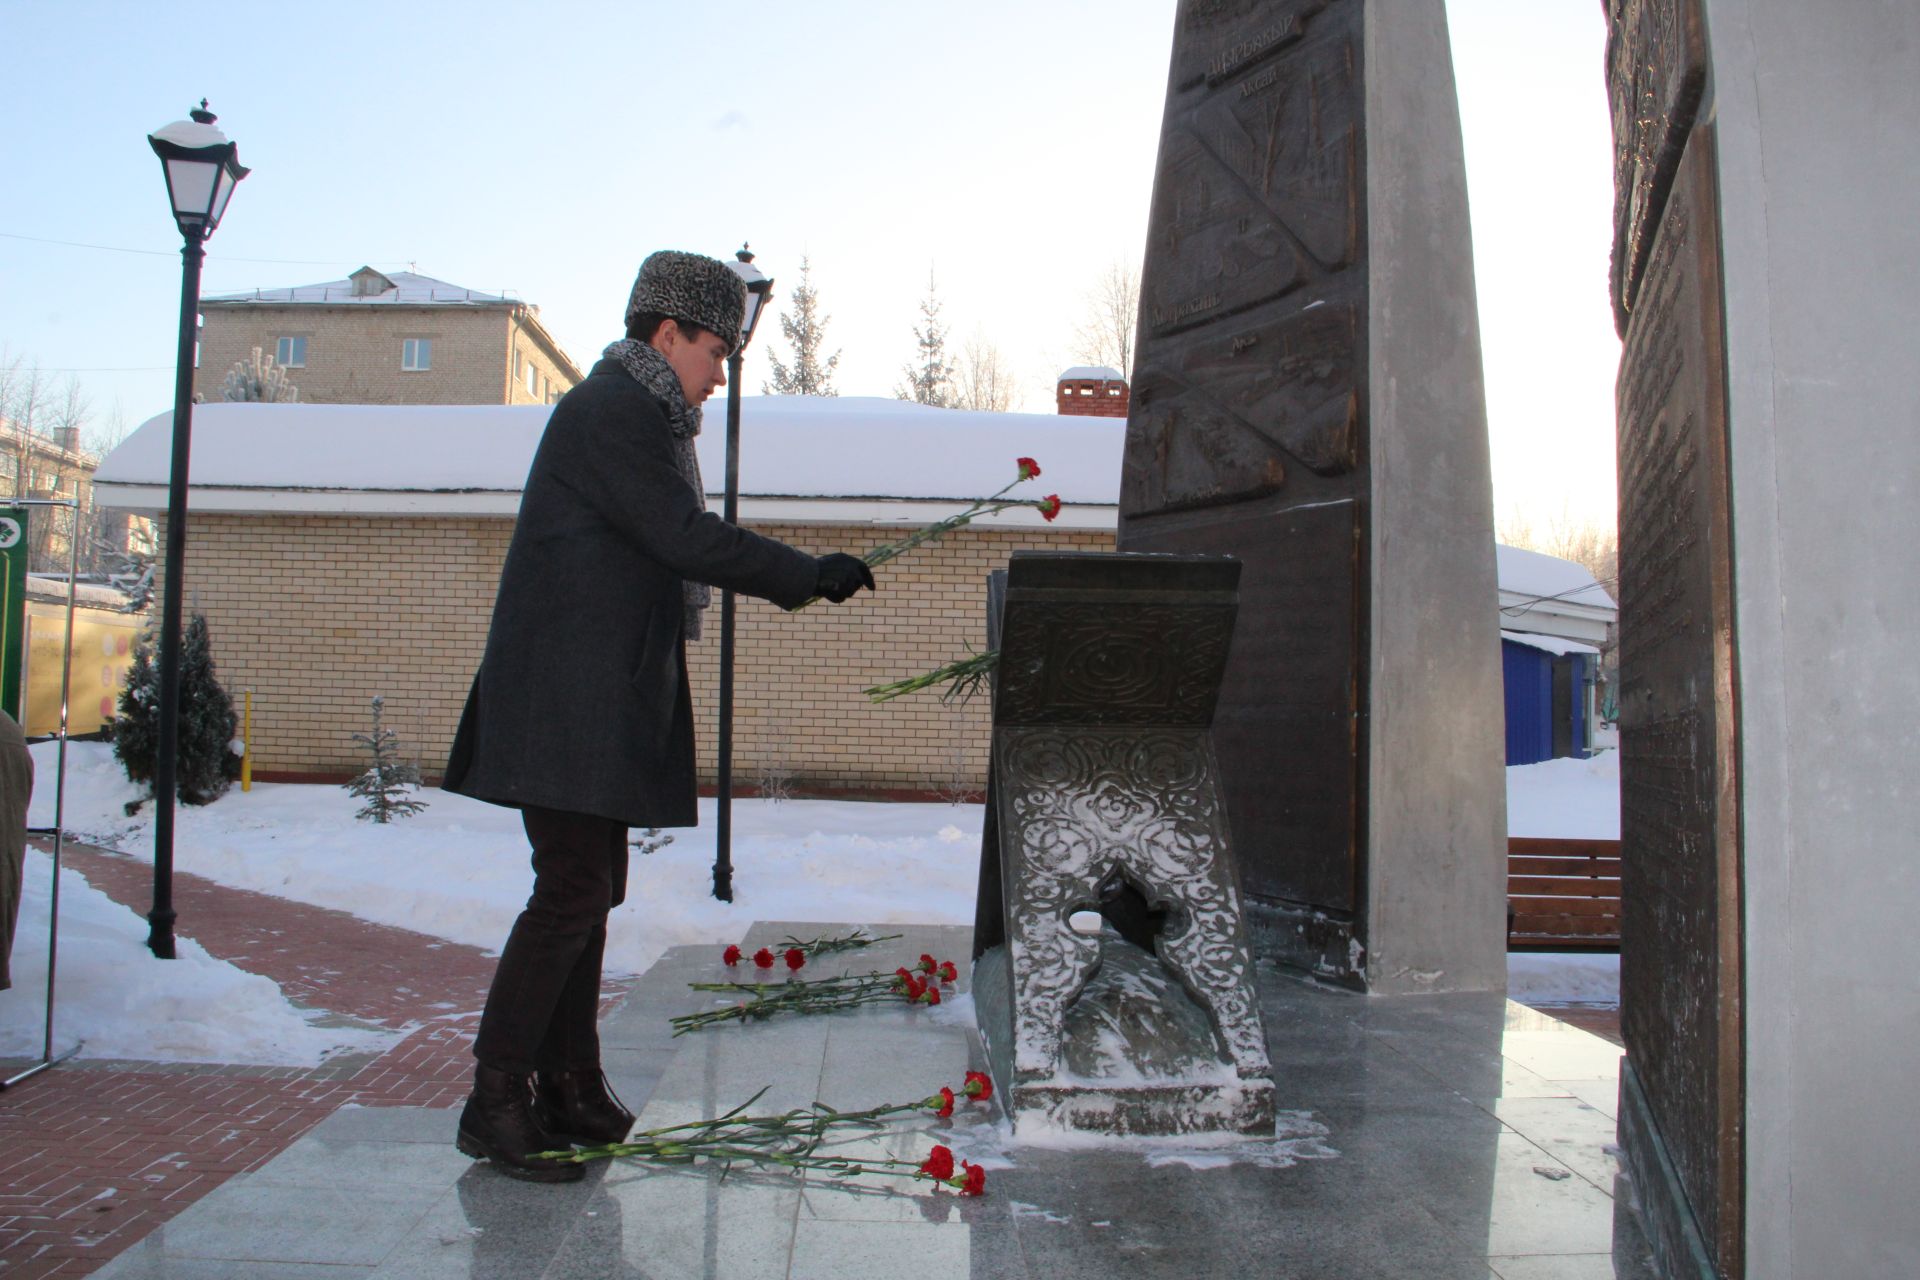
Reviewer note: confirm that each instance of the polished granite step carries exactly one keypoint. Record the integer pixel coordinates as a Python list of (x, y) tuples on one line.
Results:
[(1425, 1137)]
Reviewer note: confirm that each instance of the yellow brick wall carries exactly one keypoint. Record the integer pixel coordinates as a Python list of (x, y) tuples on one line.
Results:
[(317, 614), (353, 352)]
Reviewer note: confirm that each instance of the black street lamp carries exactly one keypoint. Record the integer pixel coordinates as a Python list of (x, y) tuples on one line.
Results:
[(759, 289), (202, 170)]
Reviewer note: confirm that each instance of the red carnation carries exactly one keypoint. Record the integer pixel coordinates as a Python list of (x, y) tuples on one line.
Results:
[(904, 974), (979, 1086), (927, 963), (1028, 468), (975, 1183), (914, 988), (1050, 506), (933, 994), (939, 1165), (795, 957), (731, 955), (763, 958), (945, 1108), (947, 972)]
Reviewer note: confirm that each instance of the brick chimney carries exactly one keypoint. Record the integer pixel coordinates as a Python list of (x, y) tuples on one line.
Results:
[(1092, 391)]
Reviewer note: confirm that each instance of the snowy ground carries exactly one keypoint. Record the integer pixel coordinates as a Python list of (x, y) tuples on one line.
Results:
[(459, 871)]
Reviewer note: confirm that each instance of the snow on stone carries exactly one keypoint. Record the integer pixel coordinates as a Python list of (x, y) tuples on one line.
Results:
[(1091, 373), (111, 993), (790, 446)]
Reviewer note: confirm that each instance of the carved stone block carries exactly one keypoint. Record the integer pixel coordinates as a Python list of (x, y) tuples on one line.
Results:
[(1105, 798)]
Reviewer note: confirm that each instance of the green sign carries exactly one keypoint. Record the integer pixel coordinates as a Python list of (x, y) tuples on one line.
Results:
[(13, 607)]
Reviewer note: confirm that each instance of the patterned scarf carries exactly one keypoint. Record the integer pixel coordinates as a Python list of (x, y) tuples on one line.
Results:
[(650, 369)]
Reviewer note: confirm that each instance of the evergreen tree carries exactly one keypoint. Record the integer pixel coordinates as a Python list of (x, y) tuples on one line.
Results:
[(805, 329), (388, 780), (929, 377), (205, 762)]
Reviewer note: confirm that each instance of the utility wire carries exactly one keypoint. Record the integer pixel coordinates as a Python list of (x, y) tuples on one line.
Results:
[(174, 253)]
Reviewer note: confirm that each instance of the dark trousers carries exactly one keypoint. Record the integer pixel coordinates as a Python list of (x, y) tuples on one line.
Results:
[(545, 998)]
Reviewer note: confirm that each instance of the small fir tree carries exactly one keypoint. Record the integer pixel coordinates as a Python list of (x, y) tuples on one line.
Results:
[(929, 377), (389, 780), (805, 328), (206, 763)]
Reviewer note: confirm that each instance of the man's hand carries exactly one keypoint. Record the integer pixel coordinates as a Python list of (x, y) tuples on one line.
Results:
[(841, 575)]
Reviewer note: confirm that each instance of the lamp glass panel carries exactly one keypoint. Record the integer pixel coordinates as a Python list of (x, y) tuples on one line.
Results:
[(223, 192), (191, 184)]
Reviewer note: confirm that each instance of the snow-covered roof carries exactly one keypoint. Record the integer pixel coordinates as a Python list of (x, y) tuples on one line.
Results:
[(801, 457), (409, 290), (41, 587), (1545, 577), (808, 459), (1091, 373), (1547, 644)]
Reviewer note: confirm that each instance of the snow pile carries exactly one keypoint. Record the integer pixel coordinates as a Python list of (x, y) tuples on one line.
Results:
[(123, 1003), (1569, 799), (460, 870)]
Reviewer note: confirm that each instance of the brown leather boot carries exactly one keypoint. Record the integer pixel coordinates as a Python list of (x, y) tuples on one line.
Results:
[(498, 1125), (579, 1106)]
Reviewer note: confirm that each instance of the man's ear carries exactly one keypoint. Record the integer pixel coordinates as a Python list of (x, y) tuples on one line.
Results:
[(667, 335)]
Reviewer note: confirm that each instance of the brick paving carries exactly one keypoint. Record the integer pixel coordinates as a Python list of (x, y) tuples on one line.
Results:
[(94, 1154)]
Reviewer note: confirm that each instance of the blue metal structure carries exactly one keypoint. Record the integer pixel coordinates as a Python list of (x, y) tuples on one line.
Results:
[(1546, 702)]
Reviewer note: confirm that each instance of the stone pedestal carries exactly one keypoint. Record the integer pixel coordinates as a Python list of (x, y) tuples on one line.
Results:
[(1112, 975), (1308, 399)]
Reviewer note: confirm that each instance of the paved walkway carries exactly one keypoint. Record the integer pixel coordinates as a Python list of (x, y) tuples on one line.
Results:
[(96, 1154)]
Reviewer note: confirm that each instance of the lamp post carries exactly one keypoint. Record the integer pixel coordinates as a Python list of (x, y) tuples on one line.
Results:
[(759, 289), (202, 169)]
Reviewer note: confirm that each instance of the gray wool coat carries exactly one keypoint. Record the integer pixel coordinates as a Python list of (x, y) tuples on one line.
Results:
[(581, 702)]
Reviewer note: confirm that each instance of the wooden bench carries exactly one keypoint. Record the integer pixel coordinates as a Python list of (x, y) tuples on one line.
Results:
[(1562, 894)]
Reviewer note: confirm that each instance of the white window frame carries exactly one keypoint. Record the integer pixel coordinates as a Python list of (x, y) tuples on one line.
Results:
[(292, 344), (416, 355), (533, 378)]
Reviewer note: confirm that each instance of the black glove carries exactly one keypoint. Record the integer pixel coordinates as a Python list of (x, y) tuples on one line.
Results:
[(841, 575)]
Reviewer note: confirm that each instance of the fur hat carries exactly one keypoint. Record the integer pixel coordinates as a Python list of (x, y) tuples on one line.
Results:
[(694, 288)]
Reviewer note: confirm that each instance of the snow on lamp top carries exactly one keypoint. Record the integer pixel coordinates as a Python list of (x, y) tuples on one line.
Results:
[(202, 169)]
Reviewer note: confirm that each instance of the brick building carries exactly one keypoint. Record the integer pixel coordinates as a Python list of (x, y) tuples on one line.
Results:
[(375, 338), (332, 570), (1092, 391)]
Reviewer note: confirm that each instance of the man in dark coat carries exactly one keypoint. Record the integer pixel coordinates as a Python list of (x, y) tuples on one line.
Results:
[(581, 713)]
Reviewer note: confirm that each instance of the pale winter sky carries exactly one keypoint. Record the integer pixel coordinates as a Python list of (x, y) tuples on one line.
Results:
[(545, 150)]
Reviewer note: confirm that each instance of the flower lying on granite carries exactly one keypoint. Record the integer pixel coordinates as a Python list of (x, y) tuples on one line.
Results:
[(814, 948), (730, 957), (757, 1001), (979, 1086), (938, 1164), (790, 1139)]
